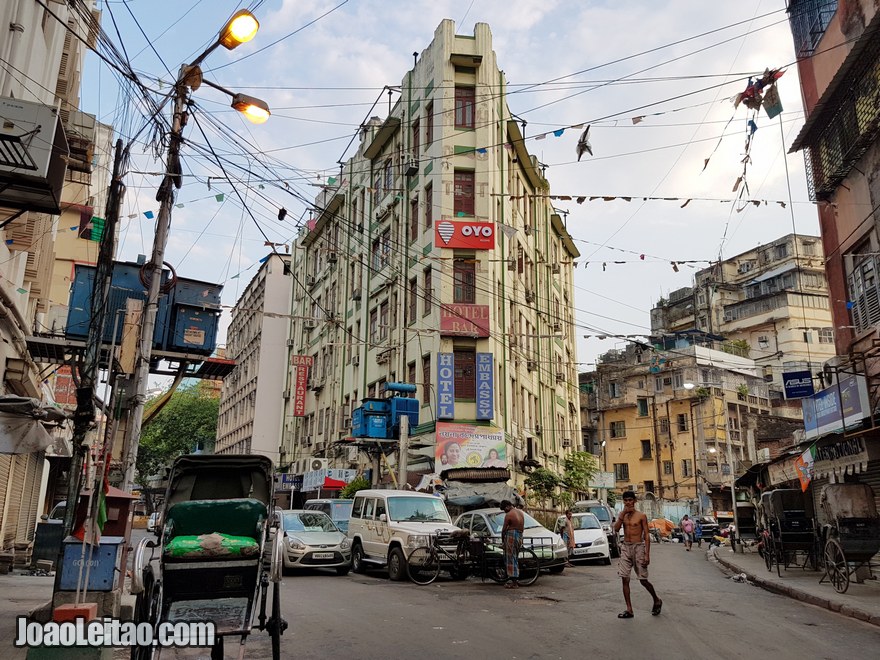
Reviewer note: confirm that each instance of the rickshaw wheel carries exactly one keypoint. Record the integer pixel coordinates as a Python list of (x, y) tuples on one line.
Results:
[(146, 610), (768, 554), (278, 624), (836, 566), (423, 565), (217, 649)]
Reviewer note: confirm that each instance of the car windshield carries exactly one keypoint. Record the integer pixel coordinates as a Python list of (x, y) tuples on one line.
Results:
[(341, 510), (600, 512), (587, 521), (417, 509), (496, 520), (308, 521)]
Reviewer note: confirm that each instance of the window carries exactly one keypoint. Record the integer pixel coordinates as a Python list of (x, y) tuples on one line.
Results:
[(383, 321), (642, 405), (678, 380), (614, 389), (429, 125), (374, 325), (682, 422), (667, 467), (808, 248), (780, 251), (429, 206), (465, 374), (686, 467), (414, 219), (464, 106), (411, 373), (808, 336), (381, 250), (621, 471), (464, 193), (826, 336), (646, 449), (389, 175), (618, 429), (649, 486), (426, 378), (809, 18), (429, 292), (416, 133), (412, 308), (658, 383), (464, 277), (664, 425)]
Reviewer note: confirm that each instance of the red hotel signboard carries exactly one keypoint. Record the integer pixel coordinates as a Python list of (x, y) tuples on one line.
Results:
[(302, 364), (470, 235), (464, 320)]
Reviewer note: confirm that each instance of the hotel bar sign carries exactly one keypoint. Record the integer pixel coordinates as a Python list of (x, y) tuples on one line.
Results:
[(445, 386), (464, 320)]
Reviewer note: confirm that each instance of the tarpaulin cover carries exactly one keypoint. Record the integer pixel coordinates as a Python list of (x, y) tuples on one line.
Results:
[(22, 424), (469, 494)]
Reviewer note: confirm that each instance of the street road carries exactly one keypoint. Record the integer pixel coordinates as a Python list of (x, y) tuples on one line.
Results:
[(573, 615)]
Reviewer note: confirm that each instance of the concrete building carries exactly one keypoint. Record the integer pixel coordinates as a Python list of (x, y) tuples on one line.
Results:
[(41, 62), (438, 260), (250, 403), (838, 48), (672, 418), (769, 303)]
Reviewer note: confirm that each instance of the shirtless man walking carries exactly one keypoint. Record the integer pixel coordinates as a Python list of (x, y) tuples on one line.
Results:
[(635, 552), (511, 537)]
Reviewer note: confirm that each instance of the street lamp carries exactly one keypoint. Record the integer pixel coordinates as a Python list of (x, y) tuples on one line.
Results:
[(239, 29)]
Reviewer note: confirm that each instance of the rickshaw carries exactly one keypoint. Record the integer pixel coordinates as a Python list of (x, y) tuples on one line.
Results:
[(789, 530), (851, 535), (215, 561)]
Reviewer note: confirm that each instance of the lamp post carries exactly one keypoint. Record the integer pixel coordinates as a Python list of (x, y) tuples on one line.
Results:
[(735, 540), (239, 29)]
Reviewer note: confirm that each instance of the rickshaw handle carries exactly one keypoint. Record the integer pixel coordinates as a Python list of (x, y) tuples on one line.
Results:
[(137, 565)]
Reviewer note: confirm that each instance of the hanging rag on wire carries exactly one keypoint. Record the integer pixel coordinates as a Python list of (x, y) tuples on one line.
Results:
[(583, 145)]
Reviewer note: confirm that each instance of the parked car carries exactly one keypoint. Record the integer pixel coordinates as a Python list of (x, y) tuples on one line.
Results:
[(56, 515), (590, 539), (153, 522), (311, 540), (339, 511), (387, 525), (549, 546), (606, 517)]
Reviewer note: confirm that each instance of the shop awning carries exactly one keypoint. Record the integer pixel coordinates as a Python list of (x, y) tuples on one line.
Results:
[(840, 455)]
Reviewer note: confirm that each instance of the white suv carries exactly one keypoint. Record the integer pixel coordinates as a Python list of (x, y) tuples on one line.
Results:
[(387, 525)]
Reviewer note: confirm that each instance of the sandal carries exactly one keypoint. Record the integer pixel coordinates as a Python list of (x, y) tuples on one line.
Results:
[(656, 609), (511, 585), (625, 615)]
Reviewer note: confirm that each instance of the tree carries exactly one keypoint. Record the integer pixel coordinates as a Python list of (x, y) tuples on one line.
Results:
[(358, 483), (543, 483), (187, 423), (579, 469)]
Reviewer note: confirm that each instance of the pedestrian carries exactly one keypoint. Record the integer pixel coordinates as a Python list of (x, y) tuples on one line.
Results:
[(567, 532), (687, 529), (698, 532), (511, 538), (635, 552)]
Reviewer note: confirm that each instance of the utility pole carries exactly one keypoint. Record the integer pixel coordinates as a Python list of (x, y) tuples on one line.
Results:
[(165, 196), (84, 415), (403, 460)]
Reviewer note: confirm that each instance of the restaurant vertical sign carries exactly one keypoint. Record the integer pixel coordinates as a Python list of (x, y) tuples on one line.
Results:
[(302, 364)]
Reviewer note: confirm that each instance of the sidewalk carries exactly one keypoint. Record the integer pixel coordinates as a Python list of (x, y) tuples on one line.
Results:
[(21, 594), (861, 601)]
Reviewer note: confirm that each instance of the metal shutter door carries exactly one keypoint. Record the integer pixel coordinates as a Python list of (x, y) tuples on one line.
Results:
[(16, 480)]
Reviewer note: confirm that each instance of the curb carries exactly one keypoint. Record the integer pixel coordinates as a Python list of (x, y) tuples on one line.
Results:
[(803, 596)]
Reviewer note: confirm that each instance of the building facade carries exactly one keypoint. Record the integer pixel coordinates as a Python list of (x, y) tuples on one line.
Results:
[(673, 420), (770, 302), (250, 403), (438, 260)]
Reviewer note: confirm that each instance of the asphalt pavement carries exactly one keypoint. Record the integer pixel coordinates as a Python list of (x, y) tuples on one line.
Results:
[(705, 615)]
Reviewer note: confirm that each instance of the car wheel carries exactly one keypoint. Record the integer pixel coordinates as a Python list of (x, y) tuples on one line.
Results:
[(607, 561), (357, 559), (396, 565), (343, 570)]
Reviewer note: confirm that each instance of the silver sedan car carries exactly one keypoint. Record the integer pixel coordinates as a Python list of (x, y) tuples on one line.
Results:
[(311, 540)]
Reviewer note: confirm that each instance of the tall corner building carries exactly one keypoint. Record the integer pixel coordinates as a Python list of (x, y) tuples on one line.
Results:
[(437, 259)]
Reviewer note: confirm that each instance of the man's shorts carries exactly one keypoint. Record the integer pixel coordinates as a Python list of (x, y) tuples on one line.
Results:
[(632, 555)]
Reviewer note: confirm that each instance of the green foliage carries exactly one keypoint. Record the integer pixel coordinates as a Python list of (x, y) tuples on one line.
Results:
[(702, 392), (188, 422), (612, 498), (742, 390), (565, 500), (358, 483), (737, 347), (543, 483), (579, 468)]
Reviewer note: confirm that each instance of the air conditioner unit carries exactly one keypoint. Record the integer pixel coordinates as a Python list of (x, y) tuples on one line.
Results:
[(310, 324), (763, 454), (512, 341), (356, 294), (285, 394), (566, 442), (291, 343), (356, 359), (317, 383), (555, 268), (383, 357), (310, 281), (346, 423), (560, 377), (412, 166), (530, 296), (353, 454), (539, 429), (532, 365), (319, 446), (382, 211), (332, 258), (557, 327), (511, 264), (307, 441)]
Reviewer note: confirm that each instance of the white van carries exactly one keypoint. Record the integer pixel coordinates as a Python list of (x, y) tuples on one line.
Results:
[(387, 525)]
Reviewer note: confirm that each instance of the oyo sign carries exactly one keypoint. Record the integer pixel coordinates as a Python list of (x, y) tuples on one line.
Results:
[(469, 235)]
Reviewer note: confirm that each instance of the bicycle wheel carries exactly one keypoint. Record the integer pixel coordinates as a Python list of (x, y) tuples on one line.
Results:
[(423, 565), (529, 566)]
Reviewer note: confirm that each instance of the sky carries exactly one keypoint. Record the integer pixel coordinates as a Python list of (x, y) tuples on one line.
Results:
[(673, 66)]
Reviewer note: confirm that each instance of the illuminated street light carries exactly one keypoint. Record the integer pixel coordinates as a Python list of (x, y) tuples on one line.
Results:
[(240, 29), (254, 109)]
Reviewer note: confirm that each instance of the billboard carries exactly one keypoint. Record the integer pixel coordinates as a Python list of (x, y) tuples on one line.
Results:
[(469, 446), (485, 386), (302, 364), (445, 386), (837, 407), (469, 235), (464, 319), (332, 479), (798, 384)]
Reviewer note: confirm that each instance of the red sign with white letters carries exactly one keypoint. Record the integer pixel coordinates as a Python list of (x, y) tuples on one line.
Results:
[(470, 235), (302, 364), (464, 320)]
